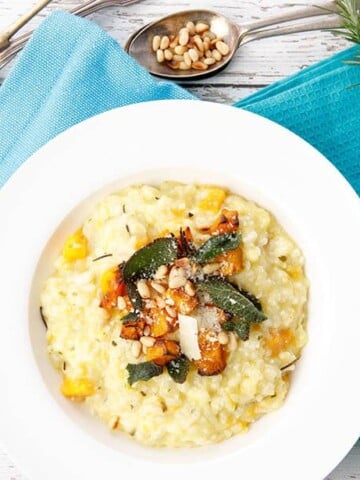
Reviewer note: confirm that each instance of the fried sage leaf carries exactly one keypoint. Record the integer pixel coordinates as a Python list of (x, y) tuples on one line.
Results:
[(134, 295), (240, 327), (228, 298), (145, 262), (143, 371), (179, 368), (216, 246), (130, 317)]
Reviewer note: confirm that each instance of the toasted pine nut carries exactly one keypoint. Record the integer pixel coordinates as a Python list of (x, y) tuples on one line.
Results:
[(205, 37), (199, 43), (211, 268), (183, 36), (178, 58), (147, 341), (216, 55), (222, 47), (160, 272), (232, 341), (189, 289), (171, 311), (174, 42), (164, 43), (156, 43), (121, 304), (156, 286), (169, 301), (191, 27), (184, 66), (136, 348), (173, 65), (160, 57), (210, 34), (180, 49), (209, 61), (160, 302), (143, 289), (208, 54), (223, 338), (201, 27), (177, 277), (146, 331), (199, 66), (194, 54), (206, 45), (168, 54), (113, 422)]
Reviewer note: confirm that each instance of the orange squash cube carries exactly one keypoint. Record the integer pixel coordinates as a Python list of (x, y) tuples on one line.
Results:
[(213, 356), (163, 351)]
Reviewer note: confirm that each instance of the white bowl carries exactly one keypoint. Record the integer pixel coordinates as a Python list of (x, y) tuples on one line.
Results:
[(50, 195)]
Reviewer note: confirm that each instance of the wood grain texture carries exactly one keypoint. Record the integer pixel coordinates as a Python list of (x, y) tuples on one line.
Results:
[(256, 65)]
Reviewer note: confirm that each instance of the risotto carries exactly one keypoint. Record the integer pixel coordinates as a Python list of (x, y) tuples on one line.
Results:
[(176, 313)]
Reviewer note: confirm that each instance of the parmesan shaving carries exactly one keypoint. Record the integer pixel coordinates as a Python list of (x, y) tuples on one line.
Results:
[(188, 329)]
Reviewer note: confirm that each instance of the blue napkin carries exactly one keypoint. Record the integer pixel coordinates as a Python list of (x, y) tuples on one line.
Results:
[(72, 70)]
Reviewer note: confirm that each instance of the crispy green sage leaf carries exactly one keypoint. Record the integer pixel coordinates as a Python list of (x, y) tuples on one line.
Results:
[(240, 327), (216, 246), (228, 298), (143, 371), (145, 262), (130, 317), (134, 296), (179, 368)]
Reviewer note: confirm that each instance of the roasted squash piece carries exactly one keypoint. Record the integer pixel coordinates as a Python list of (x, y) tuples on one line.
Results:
[(184, 303), (279, 340), (160, 324), (77, 388), (231, 262), (228, 222), (163, 351), (213, 356), (112, 287), (132, 330)]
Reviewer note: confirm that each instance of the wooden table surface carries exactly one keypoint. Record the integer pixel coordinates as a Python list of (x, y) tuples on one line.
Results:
[(256, 65)]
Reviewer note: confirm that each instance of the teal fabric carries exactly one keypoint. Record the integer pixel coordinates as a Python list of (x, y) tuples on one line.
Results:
[(72, 70)]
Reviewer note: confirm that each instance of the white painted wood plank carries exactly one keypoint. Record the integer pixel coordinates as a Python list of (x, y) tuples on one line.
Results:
[(255, 65)]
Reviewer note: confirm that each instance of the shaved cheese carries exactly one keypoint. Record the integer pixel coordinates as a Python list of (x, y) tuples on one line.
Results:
[(188, 329)]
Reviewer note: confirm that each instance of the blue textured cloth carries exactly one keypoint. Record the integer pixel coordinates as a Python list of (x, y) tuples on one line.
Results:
[(72, 70)]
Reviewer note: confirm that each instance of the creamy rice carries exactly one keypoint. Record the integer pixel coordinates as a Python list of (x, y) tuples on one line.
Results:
[(84, 342)]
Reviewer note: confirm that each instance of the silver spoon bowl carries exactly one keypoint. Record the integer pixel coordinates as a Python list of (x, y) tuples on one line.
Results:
[(139, 45)]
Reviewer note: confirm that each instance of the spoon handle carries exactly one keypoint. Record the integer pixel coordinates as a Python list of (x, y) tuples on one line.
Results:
[(323, 8), (324, 24)]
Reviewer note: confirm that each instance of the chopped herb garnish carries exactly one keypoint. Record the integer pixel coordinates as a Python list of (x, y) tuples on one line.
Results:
[(225, 296), (190, 214), (157, 198), (113, 343), (64, 366), (216, 246), (179, 368), (127, 228), (102, 256), (124, 208), (240, 327), (43, 317), (143, 371), (144, 262)]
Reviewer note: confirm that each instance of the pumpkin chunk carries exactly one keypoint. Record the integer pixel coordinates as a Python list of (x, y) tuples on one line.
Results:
[(279, 340), (184, 303), (132, 330), (228, 222), (213, 357), (112, 287), (163, 351), (231, 262), (160, 323)]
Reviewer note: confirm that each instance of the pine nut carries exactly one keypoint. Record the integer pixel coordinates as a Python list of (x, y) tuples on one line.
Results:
[(121, 304), (211, 268), (177, 277), (143, 289), (164, 43), (146, 331), (205, 37), (168, 54), (156, 286), (136, 349), (210, 61), (183, 36), (160, 302), (180, 49), (147, 341), (178, 58), (173, 65), (199, 66), (174, 42), (232, 341), (156, 43), (171, 311), (199, 43), (223, 338), (216, 55), (187, 59), (223, 48), (206, 45), (160, 272), (169, 301), (114, 422), (160, 57), (194, 54), (201, 27), (191, 27), (184, 66), (189, 289), (211, 35)]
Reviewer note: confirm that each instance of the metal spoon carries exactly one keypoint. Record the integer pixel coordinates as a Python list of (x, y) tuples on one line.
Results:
[(10, 31), (139, 44)]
